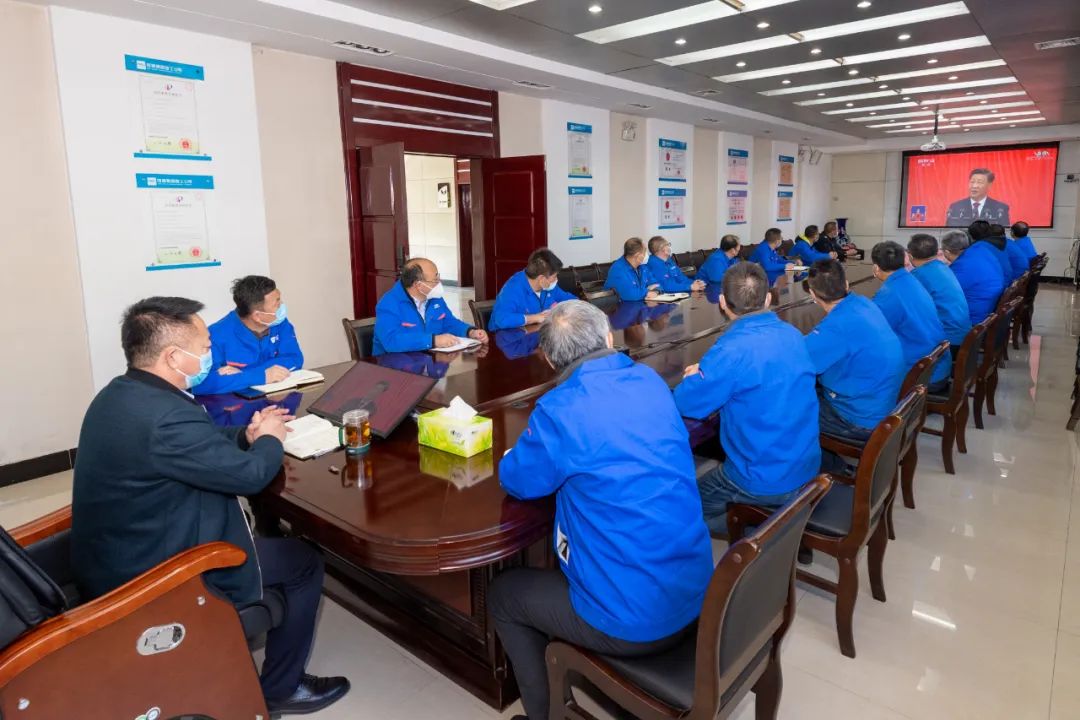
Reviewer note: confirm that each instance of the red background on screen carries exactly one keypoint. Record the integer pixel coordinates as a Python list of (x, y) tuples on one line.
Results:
[(1024, 180)]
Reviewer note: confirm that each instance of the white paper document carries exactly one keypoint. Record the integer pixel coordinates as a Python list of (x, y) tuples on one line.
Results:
[(461, 344), (670, 297), (295, 379), (311, 436)]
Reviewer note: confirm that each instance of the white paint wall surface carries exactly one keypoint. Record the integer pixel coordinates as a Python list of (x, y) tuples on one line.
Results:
[(680, 238), (754, 226)]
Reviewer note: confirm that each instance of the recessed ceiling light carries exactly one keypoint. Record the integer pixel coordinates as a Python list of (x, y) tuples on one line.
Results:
[(873, 113), (785, 82), (741, 63), (970, 92), (851, 104), (954, 77), (853, 71), (905, 98), (864, 4), (882, 86), (907, 126), (594, 9), (931, 61), (702, 12), (762, 25), (892, 121), (903, 36), (887, 106), (993, 111), (981, 102), (815, 51), (680, 41), (821, 94), (967, 129), (1012, 125)]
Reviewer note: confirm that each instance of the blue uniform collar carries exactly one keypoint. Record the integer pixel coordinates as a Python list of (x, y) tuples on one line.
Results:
[(896, 274), (573, 367)]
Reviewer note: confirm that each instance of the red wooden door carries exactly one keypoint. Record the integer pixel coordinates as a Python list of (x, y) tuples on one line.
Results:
[(515, 216), (384, 223), (465, 249)]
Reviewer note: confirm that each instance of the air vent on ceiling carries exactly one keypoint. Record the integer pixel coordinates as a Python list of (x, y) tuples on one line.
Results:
[(1055, 44), (640, 106), (531, 84), (367, 49), (706, 92)]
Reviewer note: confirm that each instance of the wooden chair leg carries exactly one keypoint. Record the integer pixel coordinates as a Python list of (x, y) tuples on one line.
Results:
[(1005, 352), (991, 392), (961, 427), (1029, 311), (907, 475), (889, 517), (875, 561), (948, 437), (977, 402), (1017, 322), (767, 690), (847, 591)]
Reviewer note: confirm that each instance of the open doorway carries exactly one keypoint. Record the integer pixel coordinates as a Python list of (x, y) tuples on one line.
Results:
[(437, 222)]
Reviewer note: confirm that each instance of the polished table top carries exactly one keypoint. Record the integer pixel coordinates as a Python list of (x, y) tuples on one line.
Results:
[(412, 510)]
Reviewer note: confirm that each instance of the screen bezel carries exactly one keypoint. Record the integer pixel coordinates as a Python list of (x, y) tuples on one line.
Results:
[(902, 219)]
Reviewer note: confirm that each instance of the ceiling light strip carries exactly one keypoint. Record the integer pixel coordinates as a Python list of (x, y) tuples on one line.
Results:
[(1006, 122), (908, 91), (819, 86), (923, 130), (991, 116), (769, 43), (943, 70), (683, 17), (973, 97), (890, 106), (951, 112)]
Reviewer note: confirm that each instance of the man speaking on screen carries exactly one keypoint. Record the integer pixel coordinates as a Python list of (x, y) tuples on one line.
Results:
[(978, 205)]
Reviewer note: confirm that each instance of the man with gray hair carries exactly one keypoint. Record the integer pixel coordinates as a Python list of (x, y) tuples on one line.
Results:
[(759, 376), (634, 554), (978, 272)]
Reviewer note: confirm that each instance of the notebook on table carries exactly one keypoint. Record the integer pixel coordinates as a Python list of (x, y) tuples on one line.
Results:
[(387, 394), (311, 436), (670, 297), (296, 379), (461, 344)]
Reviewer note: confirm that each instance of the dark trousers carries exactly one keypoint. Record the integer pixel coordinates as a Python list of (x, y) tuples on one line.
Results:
[(530, 608), (295, 569), (831, 422)]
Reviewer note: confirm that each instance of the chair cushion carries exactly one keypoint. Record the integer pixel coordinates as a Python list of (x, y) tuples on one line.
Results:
[(669, 676), (832, 516), (942, 396), (260, 617)]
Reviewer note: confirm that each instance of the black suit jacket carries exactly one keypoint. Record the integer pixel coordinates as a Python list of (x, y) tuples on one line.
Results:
[(992, 211), (154, 477)]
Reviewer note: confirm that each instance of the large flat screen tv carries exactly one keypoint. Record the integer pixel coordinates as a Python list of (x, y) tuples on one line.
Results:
[(1000, 184)]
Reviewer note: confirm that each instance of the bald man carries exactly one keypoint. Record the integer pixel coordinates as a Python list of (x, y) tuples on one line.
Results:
[(412, 315)]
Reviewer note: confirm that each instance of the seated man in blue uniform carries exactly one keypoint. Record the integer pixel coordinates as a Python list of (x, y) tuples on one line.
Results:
[(766, 256), (666, 271), (155, 477), (857, 357), (634, 554), (910, 310), (803, 248), (944, 288), (761, 380), (977, 270), (981, 231), (412, 315), (1018, 259), (253, 344), (629, 276), (529, 294), (1020, 232), (719, 261)]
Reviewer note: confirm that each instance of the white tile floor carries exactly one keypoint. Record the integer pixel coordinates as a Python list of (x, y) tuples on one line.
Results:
[(983, 615)]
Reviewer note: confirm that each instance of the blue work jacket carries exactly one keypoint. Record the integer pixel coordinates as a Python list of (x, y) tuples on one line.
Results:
[(760, 378), (399, 327), (629, 532), (981, 277), (911, 314), (770, 260), (668, 274), (806, 253), (715, 266), (631, 284), (234, 345), (517, 299), (948, 297)]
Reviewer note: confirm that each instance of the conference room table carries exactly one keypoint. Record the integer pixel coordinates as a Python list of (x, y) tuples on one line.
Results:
[(413, 536)]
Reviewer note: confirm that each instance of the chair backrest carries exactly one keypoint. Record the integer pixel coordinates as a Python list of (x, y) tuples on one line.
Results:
[(360, 334), (602, 268), (998, 335), (745, 251), (586, 273), (566, 280), (698, 258), (750, 600), (682, 259), (481, 312), (921, 372), (878, 463), (29, 595), (966, 363), (785, 247), (709, 251), (589, 286), (602, 299)]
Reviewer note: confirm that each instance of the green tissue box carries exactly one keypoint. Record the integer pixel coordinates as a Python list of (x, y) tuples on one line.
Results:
[(462, 472), (460, 437)]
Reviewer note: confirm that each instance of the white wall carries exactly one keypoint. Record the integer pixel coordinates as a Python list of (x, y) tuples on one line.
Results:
[(752, 230), (113, 226), (433, 231), (519, 126), (680, 238), (815, 192), (554, 117), (628, 191)]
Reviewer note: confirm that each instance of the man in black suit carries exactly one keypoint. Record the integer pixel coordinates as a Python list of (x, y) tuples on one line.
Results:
[(978, 206), (154, 477)]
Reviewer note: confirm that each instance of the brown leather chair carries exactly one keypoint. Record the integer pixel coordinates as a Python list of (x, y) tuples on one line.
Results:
[(602, 299), (481, 312), (602, 269), (745, 251), (190, 654), (748, 608), (566, 280), (1024, 281), (850, 516), (588, 287), (697, 259), (587, 273), (360, 335), (993, 350), (953, 404), (684, 259)]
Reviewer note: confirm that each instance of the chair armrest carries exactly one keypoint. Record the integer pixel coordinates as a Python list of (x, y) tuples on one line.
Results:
[(43, 527), (65, 629), (838, 446)]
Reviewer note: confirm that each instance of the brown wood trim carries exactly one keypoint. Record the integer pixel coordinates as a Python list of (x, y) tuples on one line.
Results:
[(65, 629), (437, 122), (352, 191), (43, 527)]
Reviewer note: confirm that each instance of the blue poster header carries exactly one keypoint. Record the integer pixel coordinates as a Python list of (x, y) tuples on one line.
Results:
[(736, 193), (170, 182), (672, 192), (579, 190), (787, 158), (578, 127), (673, 144), (164, 67), (732, 152), (784, 193)]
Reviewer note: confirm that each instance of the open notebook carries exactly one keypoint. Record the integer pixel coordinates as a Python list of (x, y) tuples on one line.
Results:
[(461, 344), (296, 379), (311, 436), (670, 297)]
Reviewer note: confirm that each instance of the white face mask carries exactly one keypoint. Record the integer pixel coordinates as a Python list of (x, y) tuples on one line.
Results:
[(436, 291), (552, 285)]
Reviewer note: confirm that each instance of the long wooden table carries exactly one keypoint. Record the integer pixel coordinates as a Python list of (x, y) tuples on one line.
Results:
[(413, 536)]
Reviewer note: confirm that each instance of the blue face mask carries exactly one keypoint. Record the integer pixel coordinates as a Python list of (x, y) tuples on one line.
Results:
[(205, 362), (279, 316)]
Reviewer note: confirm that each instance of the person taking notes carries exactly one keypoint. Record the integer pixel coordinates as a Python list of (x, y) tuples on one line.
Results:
[(529, 294)]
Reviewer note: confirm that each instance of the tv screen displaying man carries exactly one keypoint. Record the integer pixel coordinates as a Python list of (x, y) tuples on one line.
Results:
[(978, 205)]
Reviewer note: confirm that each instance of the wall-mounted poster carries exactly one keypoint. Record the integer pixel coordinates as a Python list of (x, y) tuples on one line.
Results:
[(178, 212), (579, 150), (581, 212), (672, 163), (738, 162), (736, 207), (787, 170), (442, 195), (783, 205), (167, 108), (672, 208)]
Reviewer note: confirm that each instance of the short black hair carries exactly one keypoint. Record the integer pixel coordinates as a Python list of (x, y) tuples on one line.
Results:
[(773, 234), (810, 231), (982, 171), (249, 292), (729, 242), (827, 280), (152, 324), (997, 230), (979, 229), (411, 273), (656, 242), (1019, 229), (633, 246), (745, 288), (922, 246), (888, 255), (542, 262)]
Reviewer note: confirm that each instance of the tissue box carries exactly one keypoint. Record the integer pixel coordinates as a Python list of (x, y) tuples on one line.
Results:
[(462, 472), (460, 437)]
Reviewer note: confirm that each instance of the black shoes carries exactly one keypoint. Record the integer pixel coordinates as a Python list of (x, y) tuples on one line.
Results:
[(806, 555), (311, 695)]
